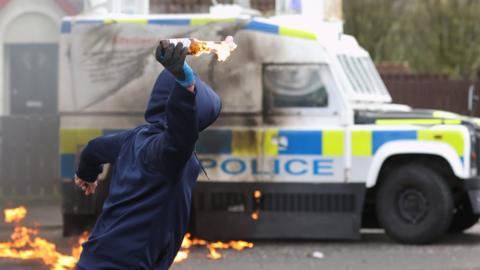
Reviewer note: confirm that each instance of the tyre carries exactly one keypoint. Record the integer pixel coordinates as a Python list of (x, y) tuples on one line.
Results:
[(414, 205), (463, 218)]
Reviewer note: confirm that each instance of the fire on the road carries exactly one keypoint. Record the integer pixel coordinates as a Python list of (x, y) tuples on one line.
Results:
[(213, 254), (25, 244), (15, 214)]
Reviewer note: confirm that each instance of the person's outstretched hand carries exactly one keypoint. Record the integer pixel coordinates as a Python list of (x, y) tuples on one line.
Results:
[(87, 187), (173, 59)]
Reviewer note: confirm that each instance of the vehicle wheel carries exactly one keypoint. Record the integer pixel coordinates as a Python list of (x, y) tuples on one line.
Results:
[(414, 205), (463, 218)]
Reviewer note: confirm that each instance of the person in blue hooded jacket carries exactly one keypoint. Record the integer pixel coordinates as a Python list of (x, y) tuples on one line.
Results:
[(146, 213)]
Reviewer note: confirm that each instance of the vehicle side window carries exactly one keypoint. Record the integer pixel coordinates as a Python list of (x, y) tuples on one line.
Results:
[(295, 86)]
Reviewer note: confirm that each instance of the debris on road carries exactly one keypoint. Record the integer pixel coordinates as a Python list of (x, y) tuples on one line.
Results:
[(318, 255)]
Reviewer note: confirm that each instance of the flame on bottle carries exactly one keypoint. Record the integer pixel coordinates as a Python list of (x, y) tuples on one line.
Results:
[(222, 49)]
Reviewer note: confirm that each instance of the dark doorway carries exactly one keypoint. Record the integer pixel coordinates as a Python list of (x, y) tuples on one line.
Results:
[(33, 78), (29, 133)]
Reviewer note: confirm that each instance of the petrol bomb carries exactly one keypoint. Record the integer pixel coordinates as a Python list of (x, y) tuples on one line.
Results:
[(221, 49)]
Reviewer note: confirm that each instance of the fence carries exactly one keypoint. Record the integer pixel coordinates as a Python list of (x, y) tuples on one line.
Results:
[(433, 92)]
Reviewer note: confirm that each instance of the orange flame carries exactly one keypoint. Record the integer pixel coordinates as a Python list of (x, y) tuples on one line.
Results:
[(222, 49), (257, 194), (15, 214), (181, 256), (77, 250), (25, 244), (213, 254)]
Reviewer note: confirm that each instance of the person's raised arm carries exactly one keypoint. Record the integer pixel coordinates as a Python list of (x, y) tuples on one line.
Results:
[(172, 149)]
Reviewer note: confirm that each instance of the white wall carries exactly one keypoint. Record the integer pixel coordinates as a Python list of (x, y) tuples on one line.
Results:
[(25, 21), (327, 10)]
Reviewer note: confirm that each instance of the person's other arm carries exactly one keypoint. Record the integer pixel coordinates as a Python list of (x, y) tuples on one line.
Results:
[(97, 152)]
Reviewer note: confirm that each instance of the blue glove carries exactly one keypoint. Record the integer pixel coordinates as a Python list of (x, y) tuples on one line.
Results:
[(189, 78), (173, 59)]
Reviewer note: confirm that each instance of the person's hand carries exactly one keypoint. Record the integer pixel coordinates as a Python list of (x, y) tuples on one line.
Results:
[(173, 59), (87, 187)]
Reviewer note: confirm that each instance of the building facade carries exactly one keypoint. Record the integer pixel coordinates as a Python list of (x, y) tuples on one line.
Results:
[(29, 34)]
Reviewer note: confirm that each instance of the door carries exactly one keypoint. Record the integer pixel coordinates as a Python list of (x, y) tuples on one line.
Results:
[(33, 78), (304, 134), (29, 134)]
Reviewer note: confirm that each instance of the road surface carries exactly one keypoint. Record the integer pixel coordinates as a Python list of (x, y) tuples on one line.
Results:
[(374, 251)]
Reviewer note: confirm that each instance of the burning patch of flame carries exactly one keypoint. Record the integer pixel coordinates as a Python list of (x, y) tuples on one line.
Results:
[(257, 194), (25, 244), (15, 214), (213, 254)]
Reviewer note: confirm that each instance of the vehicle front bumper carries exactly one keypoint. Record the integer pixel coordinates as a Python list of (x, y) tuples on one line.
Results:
[(472, 186)]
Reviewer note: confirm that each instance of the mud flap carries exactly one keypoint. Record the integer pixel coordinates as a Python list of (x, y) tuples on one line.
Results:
[(472, 186), (474, 196)]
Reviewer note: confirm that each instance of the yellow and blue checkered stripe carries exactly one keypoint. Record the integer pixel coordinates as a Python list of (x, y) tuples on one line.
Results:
[(365, 143), (279, 30), (254, 25), (237, 142), (66, 26), (250, 142), (268, 142), (330, 143)]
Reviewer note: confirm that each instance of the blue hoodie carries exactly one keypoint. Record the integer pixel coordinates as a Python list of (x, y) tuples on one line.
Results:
[(146, 213)]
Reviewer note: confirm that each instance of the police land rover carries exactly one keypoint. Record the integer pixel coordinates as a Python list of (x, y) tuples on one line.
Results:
[(309, 143)]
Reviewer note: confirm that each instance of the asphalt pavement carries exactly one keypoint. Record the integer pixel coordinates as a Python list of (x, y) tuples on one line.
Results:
[(373, 251)]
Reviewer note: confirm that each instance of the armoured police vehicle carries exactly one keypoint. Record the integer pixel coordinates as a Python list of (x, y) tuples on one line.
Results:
[(309, 143)]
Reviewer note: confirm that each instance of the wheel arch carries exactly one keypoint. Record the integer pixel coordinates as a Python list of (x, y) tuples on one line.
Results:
[(399, 153)]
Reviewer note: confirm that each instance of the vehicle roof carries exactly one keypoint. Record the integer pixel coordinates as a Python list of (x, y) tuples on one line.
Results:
[(314, 45), (251, 23)]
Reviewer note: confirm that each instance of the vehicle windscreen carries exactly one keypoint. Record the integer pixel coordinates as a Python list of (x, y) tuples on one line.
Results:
[(295, 86)]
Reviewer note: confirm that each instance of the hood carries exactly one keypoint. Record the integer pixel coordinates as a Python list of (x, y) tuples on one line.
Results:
[(207, 101)]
